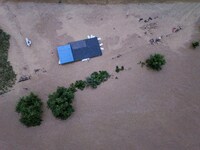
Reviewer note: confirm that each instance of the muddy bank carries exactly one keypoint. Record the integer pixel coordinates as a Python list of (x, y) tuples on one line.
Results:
[(101, 1)]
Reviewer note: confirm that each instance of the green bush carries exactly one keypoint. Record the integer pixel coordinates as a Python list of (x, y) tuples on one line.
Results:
[(195, 44), (7, 75), (80, 84), (30, 108), (96, 78), (60, 102), (72, 87), (155, 62)]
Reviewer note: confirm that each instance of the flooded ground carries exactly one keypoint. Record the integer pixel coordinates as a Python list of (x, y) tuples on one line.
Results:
[(139, 110), (101, 1)]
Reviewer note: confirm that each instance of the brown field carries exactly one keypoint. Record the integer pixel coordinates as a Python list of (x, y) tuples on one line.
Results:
[(141, 110)]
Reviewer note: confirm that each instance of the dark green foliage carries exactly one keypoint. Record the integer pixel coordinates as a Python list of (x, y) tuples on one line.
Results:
[(30, 108), (155, 62), (195, 44), (80, 84), (7, 75), (72, 87), (117, 69), (60, 102), (96, 78)]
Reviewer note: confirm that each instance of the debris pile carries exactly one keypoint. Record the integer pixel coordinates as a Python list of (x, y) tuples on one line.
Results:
[(119, 55), (40, 70), (176, 29), (24, 78), (156, 40), (147, 20), (149, 26)]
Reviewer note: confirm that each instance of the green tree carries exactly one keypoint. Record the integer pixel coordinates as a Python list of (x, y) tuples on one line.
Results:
[(60, 103), (80, 84), (156, 62), (30, 108), (195, 44), (96, 78), (7, 75)]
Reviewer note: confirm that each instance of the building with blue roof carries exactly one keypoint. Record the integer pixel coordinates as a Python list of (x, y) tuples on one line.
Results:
[(79, 50)]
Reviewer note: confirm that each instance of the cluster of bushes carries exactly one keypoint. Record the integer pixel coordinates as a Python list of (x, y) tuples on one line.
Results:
[(118, 69), (7, 75), (96, 78), (59, 102), (30, 108)]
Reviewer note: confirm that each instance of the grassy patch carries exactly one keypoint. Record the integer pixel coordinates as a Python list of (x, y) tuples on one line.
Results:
[(7, 75), (30, 108), (155, 62)]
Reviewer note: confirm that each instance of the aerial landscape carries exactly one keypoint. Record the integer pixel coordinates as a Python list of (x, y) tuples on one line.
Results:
[(130, 80)]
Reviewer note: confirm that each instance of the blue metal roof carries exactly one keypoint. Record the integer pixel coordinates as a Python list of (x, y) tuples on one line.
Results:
[(87, 48), (78, 44), (65, 54)]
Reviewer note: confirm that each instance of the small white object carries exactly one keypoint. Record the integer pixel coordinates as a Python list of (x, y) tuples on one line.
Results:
[(88, 37), (101, 44), (160, 37), (92, 36), (99, 39), (86, 59), (59, 62), (102, 48), (28, 42)]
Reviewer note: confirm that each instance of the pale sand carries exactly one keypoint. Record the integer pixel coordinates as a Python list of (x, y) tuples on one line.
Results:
[(142, 110)]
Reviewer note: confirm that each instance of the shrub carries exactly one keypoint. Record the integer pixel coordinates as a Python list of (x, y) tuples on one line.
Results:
[(7, 75), (195, 44), (96, 78), (60, 103), (117, 69), (80, 84), (30, 108), (155, 62)]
